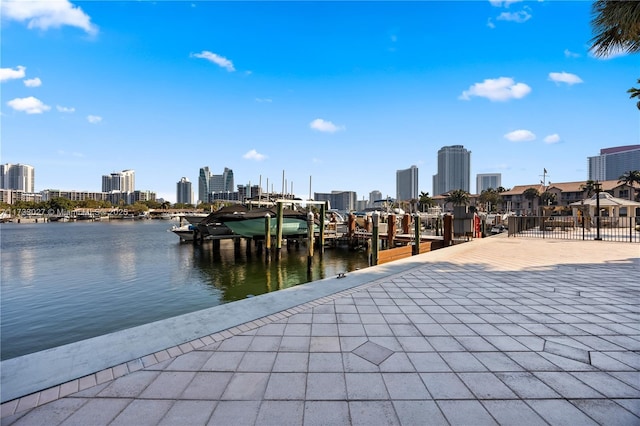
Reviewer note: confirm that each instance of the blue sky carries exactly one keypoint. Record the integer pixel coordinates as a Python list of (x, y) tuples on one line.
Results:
[(346, 93)]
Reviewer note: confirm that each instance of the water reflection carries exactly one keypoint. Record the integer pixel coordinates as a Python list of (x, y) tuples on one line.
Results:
[(239, 272)]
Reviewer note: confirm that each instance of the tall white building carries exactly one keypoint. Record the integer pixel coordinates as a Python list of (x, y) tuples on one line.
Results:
[(19, 177), (454, 170), (614, 162), (373, 197), (485, 181), (407, 184), (184, 192), (124, 181)]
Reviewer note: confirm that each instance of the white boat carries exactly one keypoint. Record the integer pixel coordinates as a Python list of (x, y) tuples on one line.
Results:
[(185, 232)]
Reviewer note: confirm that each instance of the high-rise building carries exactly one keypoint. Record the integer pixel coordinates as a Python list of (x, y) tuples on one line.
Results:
[(485, 181), (454, 170), (184, 193), (203, 185), (340, 200), (223, 182), (407, 184), (19, 177), (124, 181), (373, 197), (614, 162)]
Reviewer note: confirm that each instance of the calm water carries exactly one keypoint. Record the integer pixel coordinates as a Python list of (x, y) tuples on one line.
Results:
[(64, 282)]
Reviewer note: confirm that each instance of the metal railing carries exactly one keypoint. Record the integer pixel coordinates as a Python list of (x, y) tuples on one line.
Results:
[(622, 229)]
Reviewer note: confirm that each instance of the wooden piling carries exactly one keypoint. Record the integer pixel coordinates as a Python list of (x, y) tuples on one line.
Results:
[(323, 212), (375, 238), (416, 234), (280, 220), (267, 236), (448, 230), (310, 237), (391, 229)]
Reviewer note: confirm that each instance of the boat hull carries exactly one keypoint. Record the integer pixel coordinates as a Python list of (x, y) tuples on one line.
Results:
[(255, 228)]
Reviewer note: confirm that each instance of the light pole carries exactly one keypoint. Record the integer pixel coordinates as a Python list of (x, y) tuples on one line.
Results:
[(597, 186)]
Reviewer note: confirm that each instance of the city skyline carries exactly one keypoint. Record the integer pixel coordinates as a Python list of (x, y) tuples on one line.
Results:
[(362, 90)]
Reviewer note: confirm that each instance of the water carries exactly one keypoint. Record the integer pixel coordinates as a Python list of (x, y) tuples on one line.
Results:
[(65, 282)]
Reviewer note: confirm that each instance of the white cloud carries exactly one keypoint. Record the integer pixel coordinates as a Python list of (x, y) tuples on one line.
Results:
[(11, 74), (254, 155), (324, 126), (65, 109), (551, 139), (519, 17), (505, 3), (570, 54), (48, 14), (490, 23), (564, 77), (33, 82), (216, 59), (29, 105), (520, 136), (94, 119), (498, 89)]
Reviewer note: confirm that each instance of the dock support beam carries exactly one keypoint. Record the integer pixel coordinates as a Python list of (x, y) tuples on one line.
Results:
[(416, 233), (280, 220)]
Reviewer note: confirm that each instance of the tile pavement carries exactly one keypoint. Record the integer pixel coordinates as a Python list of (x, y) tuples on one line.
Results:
[(496, 331)]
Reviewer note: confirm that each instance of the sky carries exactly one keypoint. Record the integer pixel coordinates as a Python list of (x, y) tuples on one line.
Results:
[(332, 95)]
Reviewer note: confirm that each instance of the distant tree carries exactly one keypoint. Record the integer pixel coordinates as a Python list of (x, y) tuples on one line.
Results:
[(492, 197), (589, 188), (531, 194), (60, 204), (548, 198), (630, 178), (165, 205), (458, 197), (425, 201)]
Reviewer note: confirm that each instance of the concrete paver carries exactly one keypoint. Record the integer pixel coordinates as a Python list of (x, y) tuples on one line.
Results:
[(495, 331)]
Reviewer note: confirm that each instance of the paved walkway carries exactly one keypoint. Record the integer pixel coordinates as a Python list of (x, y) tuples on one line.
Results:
[(495, 331)]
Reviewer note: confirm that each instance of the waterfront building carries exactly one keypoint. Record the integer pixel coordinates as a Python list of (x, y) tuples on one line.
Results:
[(123, 181), (11, 196), (184, 193), (339, 200), (407, 184), (454, 170), (614, 162), (485, 181), (49, 194), (203, 184), (20, 177)]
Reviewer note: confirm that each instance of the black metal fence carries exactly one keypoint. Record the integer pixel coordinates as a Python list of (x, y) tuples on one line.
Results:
[(623, 229)]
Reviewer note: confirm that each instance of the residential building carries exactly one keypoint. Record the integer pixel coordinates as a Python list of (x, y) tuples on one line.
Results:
[(614, 162), (454, 170), (407, 184), (339, 200), (20, 177), (123, 181), (203, 184), (184, 193), (11, 196), (485, 181)]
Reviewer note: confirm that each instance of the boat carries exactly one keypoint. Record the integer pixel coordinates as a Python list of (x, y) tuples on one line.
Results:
[(185, 232), (251, 223)]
